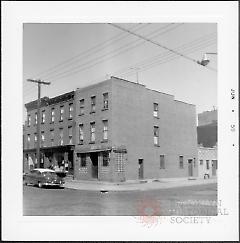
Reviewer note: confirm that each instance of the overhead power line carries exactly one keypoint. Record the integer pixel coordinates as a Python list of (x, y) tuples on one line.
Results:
[(93, 62), (167, 58), (156, 43), (164, 57), (193, 44), (94, 49)]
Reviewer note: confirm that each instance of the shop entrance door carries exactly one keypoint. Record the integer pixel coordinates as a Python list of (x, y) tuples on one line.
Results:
[(140, 168), (214, 167), (94, 159), (190, 167)]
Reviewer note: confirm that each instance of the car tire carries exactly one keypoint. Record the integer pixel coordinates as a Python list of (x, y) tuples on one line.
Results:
[(40, 184)]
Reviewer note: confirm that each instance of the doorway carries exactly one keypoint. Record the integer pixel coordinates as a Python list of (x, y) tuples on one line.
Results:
[(94, 159), (140, 169), (214, 167), (190, 167)]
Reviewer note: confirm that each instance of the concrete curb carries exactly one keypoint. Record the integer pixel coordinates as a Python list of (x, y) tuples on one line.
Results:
[(151, 185)]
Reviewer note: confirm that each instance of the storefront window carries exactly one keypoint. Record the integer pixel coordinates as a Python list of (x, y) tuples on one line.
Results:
[(106, 158)]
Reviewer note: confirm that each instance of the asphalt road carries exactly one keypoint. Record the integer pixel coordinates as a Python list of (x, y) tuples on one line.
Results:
[(191, 200)]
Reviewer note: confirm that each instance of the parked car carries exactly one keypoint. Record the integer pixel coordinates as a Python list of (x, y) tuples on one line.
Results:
[(43, 177)]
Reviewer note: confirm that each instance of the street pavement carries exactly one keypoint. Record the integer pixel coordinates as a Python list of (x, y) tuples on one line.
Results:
[(183, 200)]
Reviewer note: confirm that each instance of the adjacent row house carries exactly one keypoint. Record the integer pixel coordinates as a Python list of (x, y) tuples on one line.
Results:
[(115, 130)]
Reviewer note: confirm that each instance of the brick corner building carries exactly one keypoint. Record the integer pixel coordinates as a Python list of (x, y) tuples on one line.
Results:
[(116, 130)]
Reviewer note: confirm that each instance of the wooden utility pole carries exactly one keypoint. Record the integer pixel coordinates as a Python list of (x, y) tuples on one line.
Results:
[(39, 82)]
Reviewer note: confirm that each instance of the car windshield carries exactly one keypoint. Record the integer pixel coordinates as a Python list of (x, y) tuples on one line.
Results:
[(49, 173)]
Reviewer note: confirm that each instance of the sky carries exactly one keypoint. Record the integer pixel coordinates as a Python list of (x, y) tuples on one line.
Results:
[(76, 55)]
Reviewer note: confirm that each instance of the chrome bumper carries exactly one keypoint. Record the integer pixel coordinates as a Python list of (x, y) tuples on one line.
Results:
[(52, 184)]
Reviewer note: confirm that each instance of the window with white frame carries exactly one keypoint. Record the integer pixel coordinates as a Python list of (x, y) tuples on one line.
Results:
[(70, 110), (156, 135), (81, 107), (155, 109), (28, 140), (43, 138), (70, 134), (105, 101), (52, 115), (105, 129), (61, 136), (52, 136), (35, 138), (36, 118), (61, 113), (92, 132), (43, 116), (81, 135), (93, 103), (29, 120)]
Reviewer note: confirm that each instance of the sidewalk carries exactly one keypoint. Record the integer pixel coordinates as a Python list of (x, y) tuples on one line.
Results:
[(143, 185)]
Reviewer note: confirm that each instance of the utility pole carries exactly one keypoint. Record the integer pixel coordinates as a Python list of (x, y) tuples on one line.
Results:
[(39, 82)]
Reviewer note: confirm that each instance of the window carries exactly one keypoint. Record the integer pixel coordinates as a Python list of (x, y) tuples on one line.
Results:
[(43, 116), (52, 115), (181, 162), (71, 111), (105, 101), (81, 107), (93, 103), (35, 138), (194, 162), (92, 131), (106, 158), (83, 160), (42, 138), (120, 164), (207, 164), (201, 162), (156, 135), (29, 120), (80, 133), (105, 130), (61, 136), (52, 137), (61, 113), (36, 118), (70, 134), (28, 140), (162, 162), (155, 109)]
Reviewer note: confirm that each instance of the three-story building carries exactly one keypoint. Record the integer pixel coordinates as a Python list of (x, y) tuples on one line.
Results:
[(123, 131)]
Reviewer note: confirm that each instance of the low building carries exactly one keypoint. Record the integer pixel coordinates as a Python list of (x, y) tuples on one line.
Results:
[(207, 128), (118, 131), (207, 162)]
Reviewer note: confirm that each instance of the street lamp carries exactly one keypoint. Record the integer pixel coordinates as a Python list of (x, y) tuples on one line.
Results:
[(205, 60)]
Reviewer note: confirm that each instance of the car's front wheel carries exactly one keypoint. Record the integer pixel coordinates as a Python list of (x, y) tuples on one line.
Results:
[(40, 184)]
